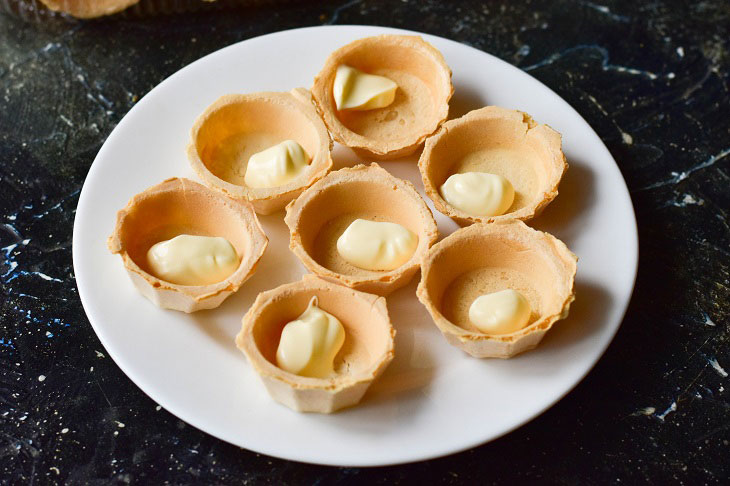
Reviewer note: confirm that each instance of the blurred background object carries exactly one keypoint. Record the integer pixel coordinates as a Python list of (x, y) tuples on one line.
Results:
[(37, 10)]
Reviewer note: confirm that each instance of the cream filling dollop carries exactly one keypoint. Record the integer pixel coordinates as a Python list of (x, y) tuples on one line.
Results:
[(500, 312), (309, 344), (478, 193), (374, 245), (276, 165), (356, 90), (193, 260)]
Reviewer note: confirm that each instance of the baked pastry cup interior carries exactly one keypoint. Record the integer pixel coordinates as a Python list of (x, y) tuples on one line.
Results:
[(421, 101), (497, 141), (237, 126), (180, 206), (322, 213), (367, 350), (485, 258)]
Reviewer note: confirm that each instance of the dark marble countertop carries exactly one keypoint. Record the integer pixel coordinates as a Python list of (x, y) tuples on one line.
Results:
[(650, 77)]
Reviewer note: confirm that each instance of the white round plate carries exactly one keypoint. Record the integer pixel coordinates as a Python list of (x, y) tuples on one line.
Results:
[(433, 399)]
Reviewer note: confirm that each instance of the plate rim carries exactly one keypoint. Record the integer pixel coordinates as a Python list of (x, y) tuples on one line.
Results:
[(150, 391)]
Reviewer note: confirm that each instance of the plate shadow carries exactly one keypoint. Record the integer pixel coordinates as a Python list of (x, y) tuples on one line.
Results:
[(588, 315), (562, 217)]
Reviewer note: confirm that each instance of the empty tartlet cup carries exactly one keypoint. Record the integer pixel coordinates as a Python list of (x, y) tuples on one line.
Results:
[(500, 141), (180, 206), (367, 350), (237, 126), (486, 258), (421, 101)]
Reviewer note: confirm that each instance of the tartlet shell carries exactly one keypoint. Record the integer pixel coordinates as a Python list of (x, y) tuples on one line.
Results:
[(298, 116), (509, 242), (473, 131), (197, 203), (368, 54), (273, 308), (86, 9), (375, 191)]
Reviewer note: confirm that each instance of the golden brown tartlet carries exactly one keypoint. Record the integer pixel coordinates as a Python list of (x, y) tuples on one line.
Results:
[(85, 9), (319, 216), (181, 206), (499, 141), (421, 103), (485, 258), (237, 126), (366, 352)]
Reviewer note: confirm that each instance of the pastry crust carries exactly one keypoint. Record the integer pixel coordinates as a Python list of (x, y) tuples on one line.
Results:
[(500, 141), (236, 126), (319, 216), (181, 206), (86, 9), (485, 258), (420, 106), (366, 352)]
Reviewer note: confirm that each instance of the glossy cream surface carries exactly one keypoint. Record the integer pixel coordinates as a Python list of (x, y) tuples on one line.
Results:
[(375, 245), (276, 165), (478, 193), (356, 90), (193, 260), (309, 344), (501, 312)]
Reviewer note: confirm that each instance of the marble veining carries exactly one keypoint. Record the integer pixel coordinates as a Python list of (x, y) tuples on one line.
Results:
[(651, 78)]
